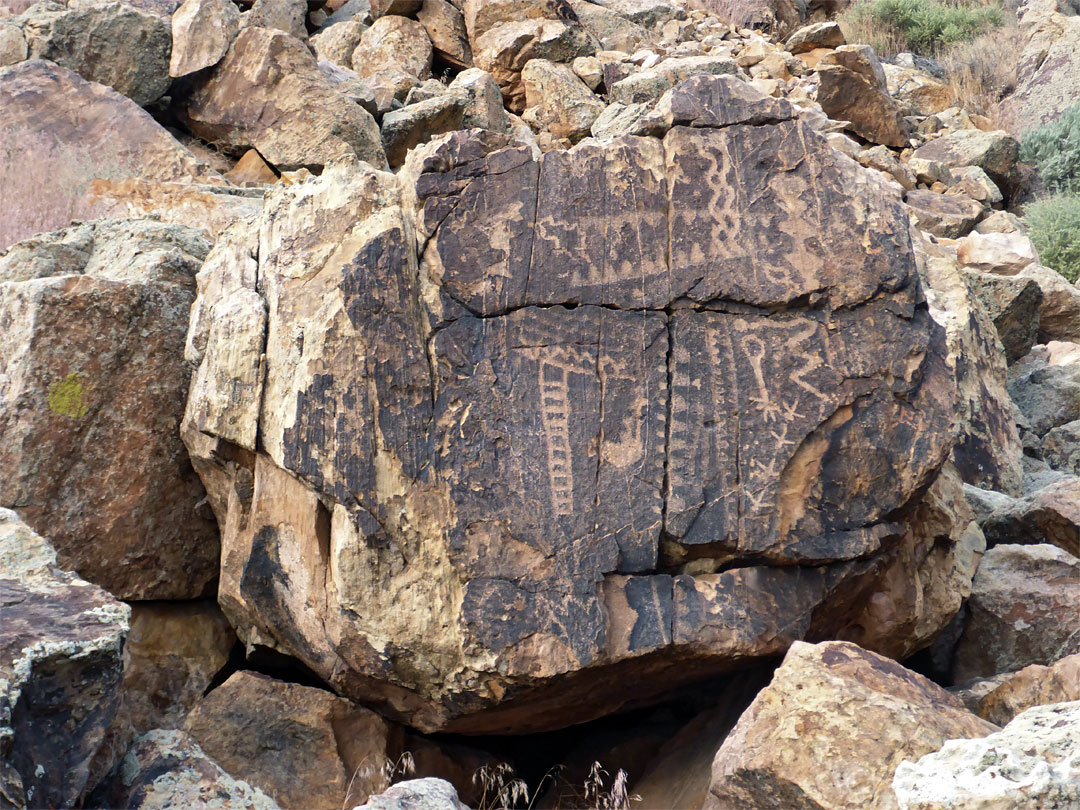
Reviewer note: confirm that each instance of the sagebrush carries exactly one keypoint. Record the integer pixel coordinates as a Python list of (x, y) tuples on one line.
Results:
[(1054, 227), (925, 27), (1053, 150)]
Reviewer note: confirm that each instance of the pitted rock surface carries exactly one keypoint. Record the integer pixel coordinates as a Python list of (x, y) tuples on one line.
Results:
[(530, 421)]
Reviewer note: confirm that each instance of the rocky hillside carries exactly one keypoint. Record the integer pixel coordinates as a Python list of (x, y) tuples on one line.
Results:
[(536, 403)]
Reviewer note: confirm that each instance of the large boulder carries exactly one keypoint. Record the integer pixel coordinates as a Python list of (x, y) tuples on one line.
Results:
[(1045, 386), (92, 388), (1034, 685), (166, 769), (114, 44), (69, 125), (1018, 613), (59, 672), (1032, 763), (831, 729), (458, 508), (562, 103), (269, 94), (1014, 305), (413, 794)]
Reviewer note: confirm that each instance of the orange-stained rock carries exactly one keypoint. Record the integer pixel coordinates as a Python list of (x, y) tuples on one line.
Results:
[(1035, 685), (831, 729)]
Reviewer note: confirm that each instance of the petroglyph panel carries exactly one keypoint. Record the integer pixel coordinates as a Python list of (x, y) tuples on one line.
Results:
[(550, 432), (771, 216)]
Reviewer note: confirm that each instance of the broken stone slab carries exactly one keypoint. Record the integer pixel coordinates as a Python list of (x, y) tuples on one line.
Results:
[(1034, 685), (1050, 515), (1014, 305), (946, 215), (60, 670), (829, 731), (997, 153), (563, 105)]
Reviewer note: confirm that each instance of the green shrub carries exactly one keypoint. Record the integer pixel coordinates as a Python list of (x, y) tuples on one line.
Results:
[(1054, 228), (923, 26), (1054, 150)]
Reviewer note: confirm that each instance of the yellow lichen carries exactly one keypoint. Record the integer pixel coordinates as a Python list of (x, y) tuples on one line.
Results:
[(66, 397)]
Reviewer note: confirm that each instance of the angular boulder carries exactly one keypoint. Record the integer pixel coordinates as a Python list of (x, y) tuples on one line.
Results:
[(1061, 447), (487, 361), (305, 747), (1014, 305), (1048, 72), (202, 31), (831, 729), (167, 769), (1019, 612), (115, 44), (852, 88), (59, 672), (1034, 762), (997, 153), (947, 215), (563, 105), (269, 94), (94, 385)]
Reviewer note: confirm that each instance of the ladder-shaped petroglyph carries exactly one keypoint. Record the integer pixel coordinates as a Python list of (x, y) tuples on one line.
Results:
[(555, 367)]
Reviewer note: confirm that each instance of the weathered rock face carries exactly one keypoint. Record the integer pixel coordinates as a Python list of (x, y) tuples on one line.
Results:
[(167, 769), (1049, 72), (92, 387), (59, 672), (70, 126), (1014, 304), (303, 746), (462, 455), (268, 93), (831, 729), (996, 153), (172, 653), (429, 794), (113, 44), (988, 451), (1035, 685), (1031, 763), (1019, 612)]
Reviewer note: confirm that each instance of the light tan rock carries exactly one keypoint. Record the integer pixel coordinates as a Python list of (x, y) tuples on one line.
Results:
[(613, 31), (202, 31), (336, 43), (13, 47), (988, 451), (251, 169), (483, 100), (210, 208), (1059, 313), (1048, 72), (269, 94), (1003, 253), (86, 402), (563, 104), (814, 36), (830, 731), (305, 747), (1034, 685), (925, 93), (996, 153)]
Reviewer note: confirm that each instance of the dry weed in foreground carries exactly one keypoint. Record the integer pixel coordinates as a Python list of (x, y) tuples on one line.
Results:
[(43, 183), (385, 769)]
